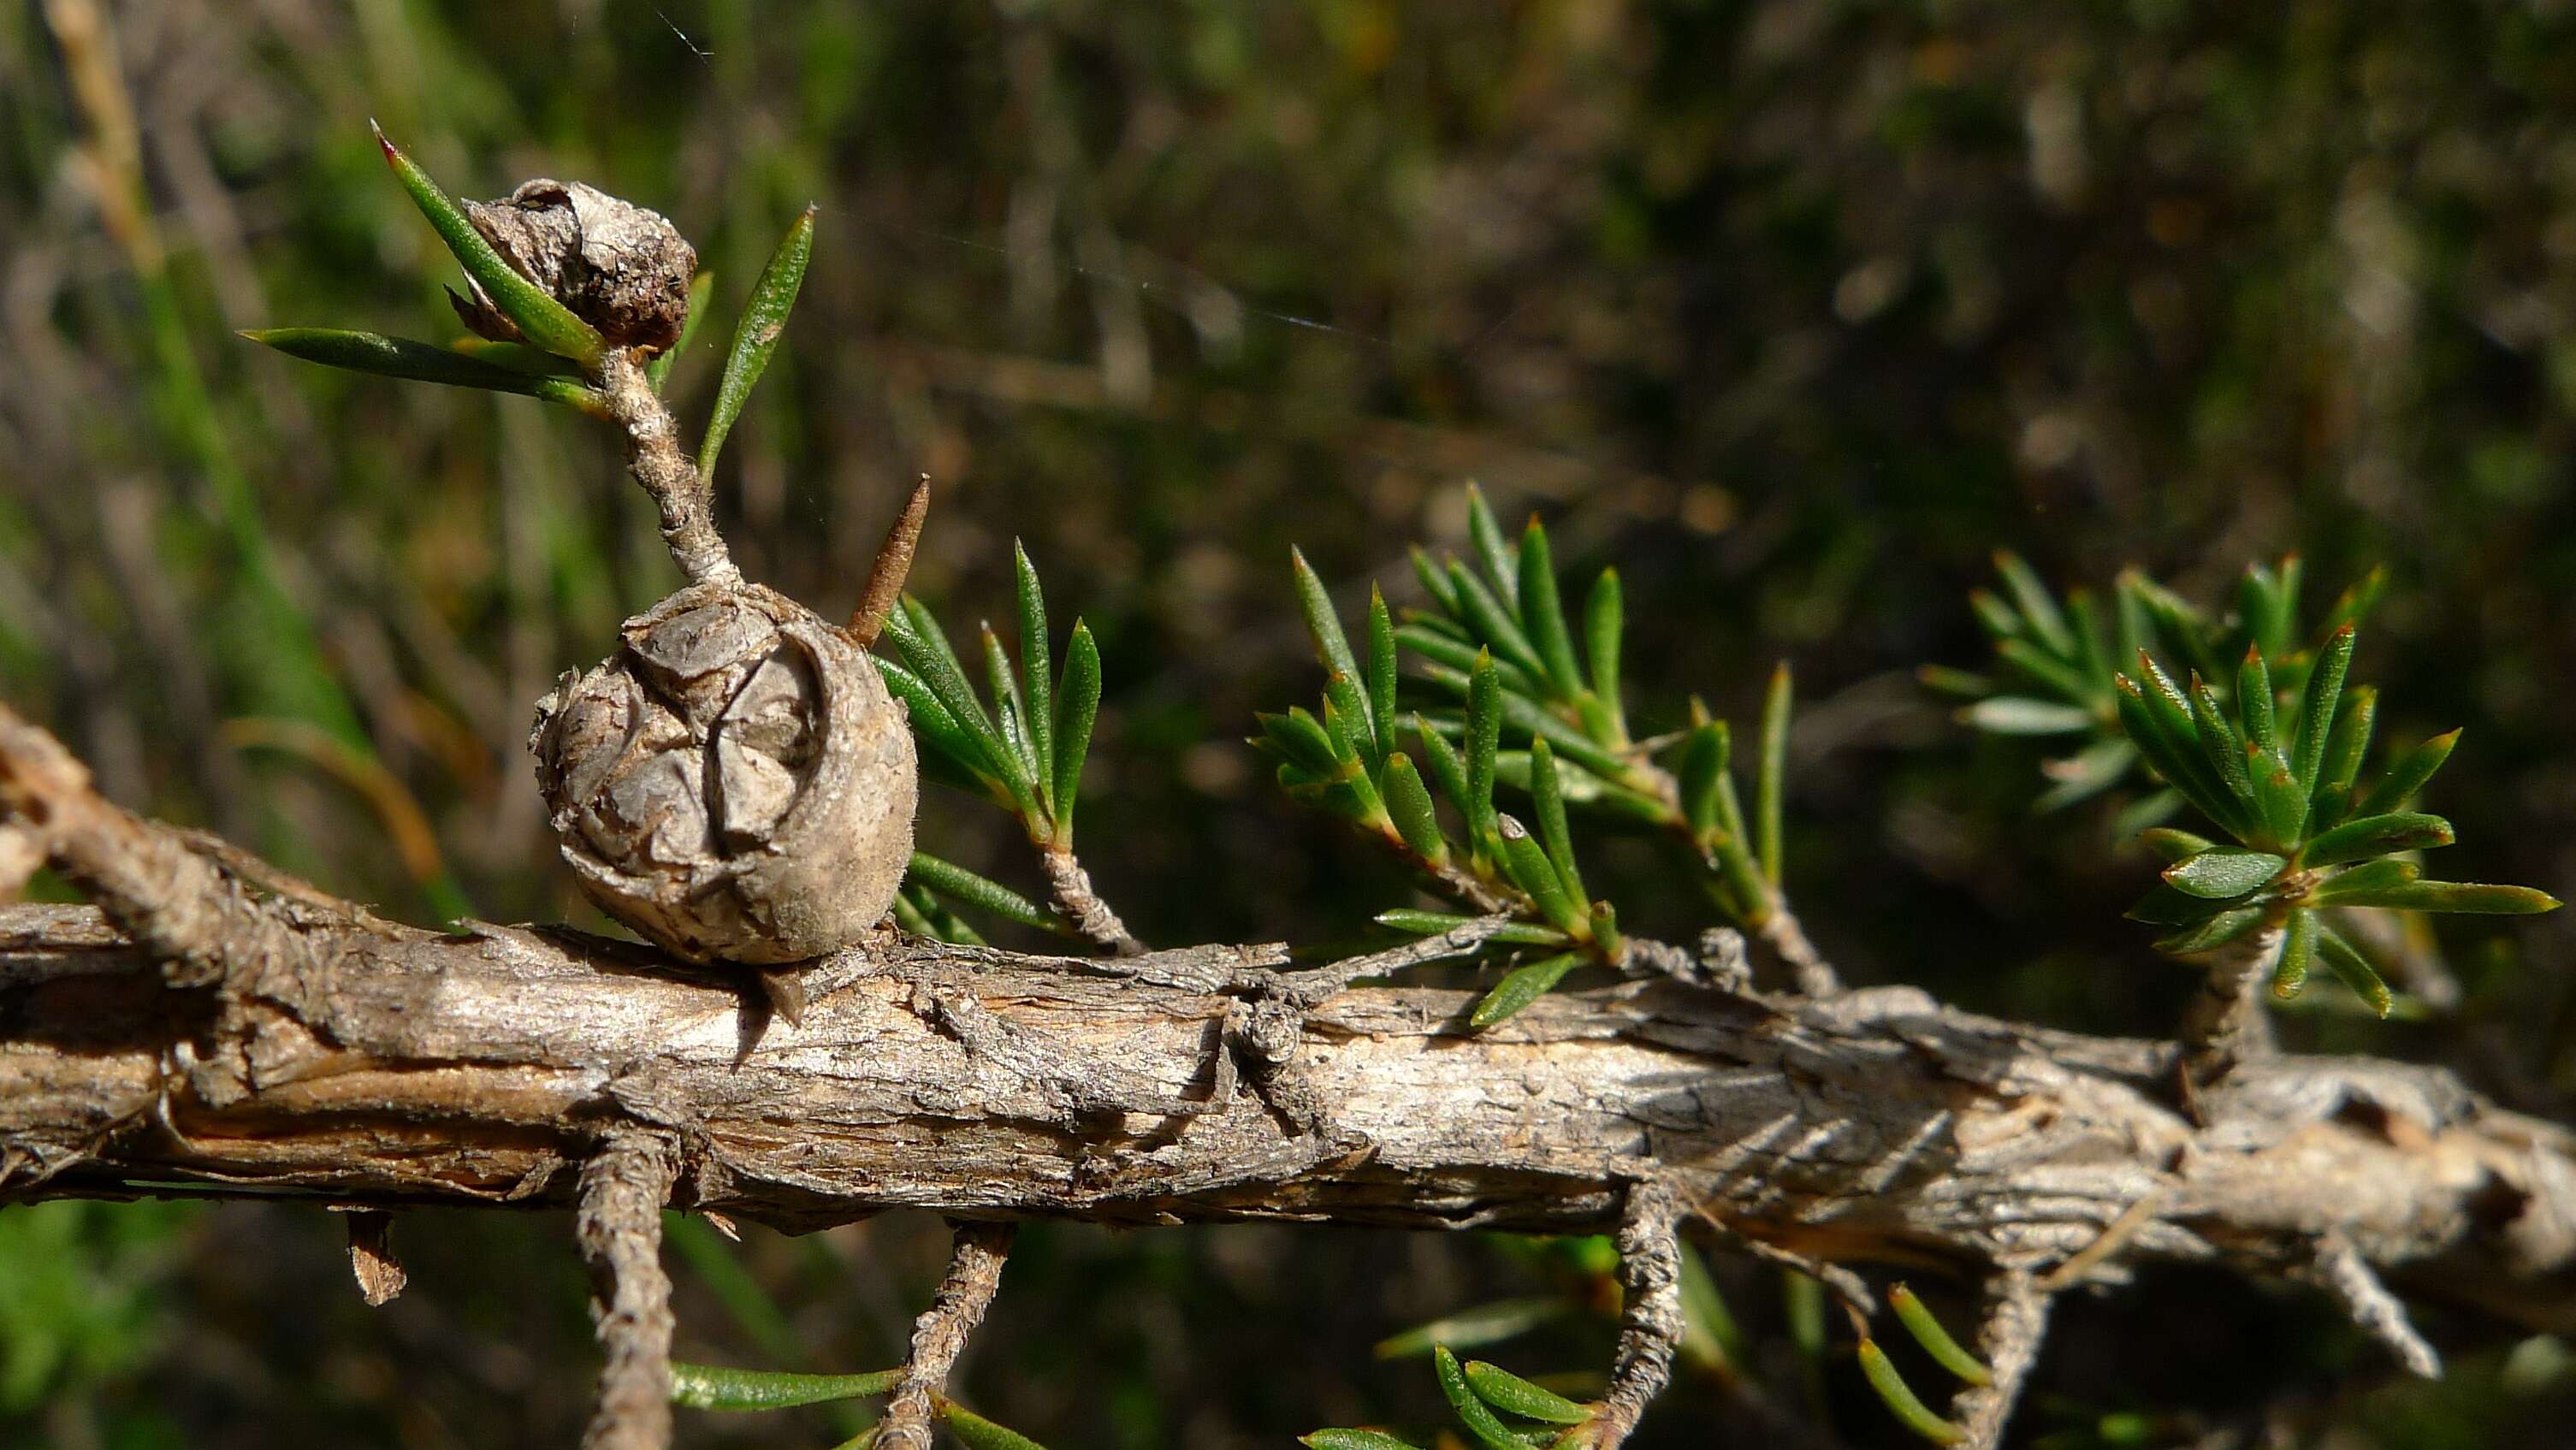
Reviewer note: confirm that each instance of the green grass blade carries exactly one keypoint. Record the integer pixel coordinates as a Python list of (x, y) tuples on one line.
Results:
[(539, 317), (1544, 613), (764, 319), (715, 1387), (1770, 784)]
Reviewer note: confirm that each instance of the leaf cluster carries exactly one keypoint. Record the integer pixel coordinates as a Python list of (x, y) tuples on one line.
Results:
[(714, 1387)]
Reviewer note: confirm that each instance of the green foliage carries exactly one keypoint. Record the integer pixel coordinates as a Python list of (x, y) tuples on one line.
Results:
[(764, 321), (542, 320), (76, 1302), (958, 884), (716, 1387), (1480, 1395), (2270, 751), (1499, 645), (460, 366), (1024, 752)]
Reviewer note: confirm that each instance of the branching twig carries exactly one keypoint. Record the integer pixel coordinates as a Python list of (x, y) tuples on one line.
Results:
[(2225, 1023), (623, 1189), (670, 476), (1814, 975), (1083, 906), (940, 1334), (2016, 1321), (1650, 1321), (2340, 1270)]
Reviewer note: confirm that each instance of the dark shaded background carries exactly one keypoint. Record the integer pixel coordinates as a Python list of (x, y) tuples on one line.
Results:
[(1794, 311)]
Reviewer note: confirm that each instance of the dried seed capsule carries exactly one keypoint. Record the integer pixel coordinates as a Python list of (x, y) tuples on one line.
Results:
[(735, 783), (620, 267)]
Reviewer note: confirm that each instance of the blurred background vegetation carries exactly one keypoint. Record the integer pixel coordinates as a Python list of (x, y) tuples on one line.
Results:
[(1793, 310)]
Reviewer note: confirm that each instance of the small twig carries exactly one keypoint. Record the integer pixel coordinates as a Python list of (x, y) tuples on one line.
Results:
[(893, 565), (1650, 1320), (2340, 1270), (2225, 1023), (619, 1225), (1815, 976), (371, 1257), (2016, 1322), (2114, 1237), (1083, 906), (940, 1334), (670, 476)]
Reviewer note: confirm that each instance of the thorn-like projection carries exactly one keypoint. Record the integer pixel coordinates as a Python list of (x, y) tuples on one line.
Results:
[(619, 1225), (371, 1257), (1650, 1322), (939, 1335), (2340, 1270), (893, 565), (2016, 1321)]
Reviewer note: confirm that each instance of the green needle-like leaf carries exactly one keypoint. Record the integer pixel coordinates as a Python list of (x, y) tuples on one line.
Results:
[(2407, 776), (539, 317), (1076, 708), (1520, 988), (2045, 670), (1484, 737), (1769, 786), (1408, 805), (1450, 772), (2213, 933), (1496, 554), (1549, 808), (1432, 923), (1544, 613), (1298, 738), (2458, 898), (1354, 1440), (2298, 950), (764, 319), (2023, 715), (1381, 673), (2317, 710), (702, 290), (1435, 580), (2035, 604), (1901, 1400), (958, 883), (1354, 737), (1525, 861), (925, 648), (2223, 871), (2223, 748), (2172, 845), (977, 1433), (932, 725), (2384, 835), (1012, 710), (1332, 647), (1936, 1341), (1493, 623), (401, 357), (2281, 801), (2159, 722), (2362, 880), (2346, 745), (1038, 663), (1996, 617), (1512, 1395), (2254, 703), (1472, 1412), (1460, 657), (2165, 906), (1604, 620), (716, 1387), (1703, 768), (1474, 1328), (2354, 970)]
